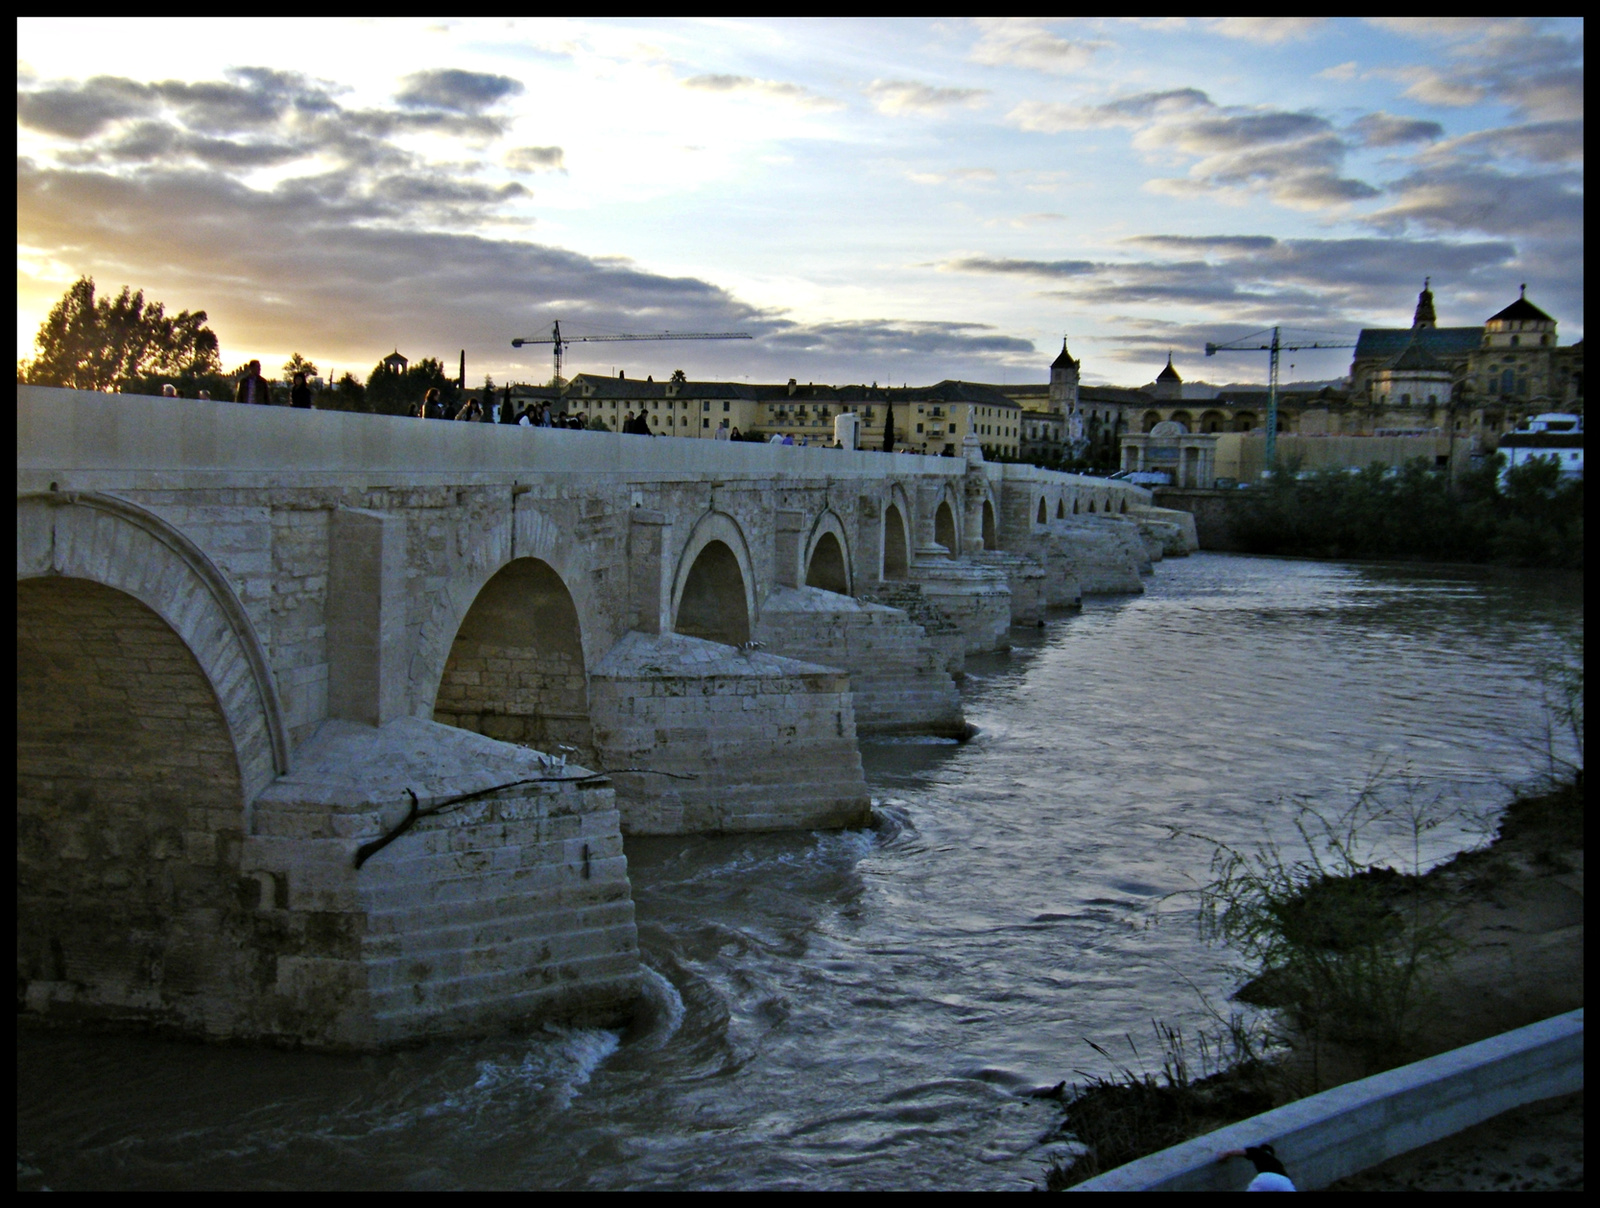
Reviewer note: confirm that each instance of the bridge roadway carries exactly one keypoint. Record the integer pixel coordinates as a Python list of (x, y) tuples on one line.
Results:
[(246, 635)]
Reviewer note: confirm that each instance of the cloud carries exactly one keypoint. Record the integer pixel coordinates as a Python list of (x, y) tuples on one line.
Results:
[(1258, 278), (456, 90), (1531, 65), (1023, 42), (311, 264), (1050, 117), (1292, 157), (1457, 197), (909, 96), (1386, 130), (83, 110), (878, 339), (778, 90), (257, 117), (1022, 268), (957, 175), (1269, 30), (1342, 71), (1536, 142), (535, 159)]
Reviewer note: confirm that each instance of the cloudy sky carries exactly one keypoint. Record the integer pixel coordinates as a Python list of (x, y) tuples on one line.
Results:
[(872, 201)]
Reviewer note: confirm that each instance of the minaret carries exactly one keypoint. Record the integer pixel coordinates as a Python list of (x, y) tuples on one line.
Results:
[(1424, 318)]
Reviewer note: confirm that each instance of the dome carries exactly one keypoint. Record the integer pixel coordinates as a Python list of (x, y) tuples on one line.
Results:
[(1521, 311), (1169, 427), (1169, 374)]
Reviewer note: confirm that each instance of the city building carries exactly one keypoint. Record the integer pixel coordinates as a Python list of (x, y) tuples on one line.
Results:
[(1554, 436)]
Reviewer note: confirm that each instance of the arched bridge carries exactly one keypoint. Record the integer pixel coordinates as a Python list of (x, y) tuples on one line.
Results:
[(245, 633)]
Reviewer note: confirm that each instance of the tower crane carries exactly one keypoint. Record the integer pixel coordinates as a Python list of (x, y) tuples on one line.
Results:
[(1252, 343), (559, 341)]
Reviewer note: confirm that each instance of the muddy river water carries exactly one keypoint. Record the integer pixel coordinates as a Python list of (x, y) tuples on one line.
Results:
[(869, 1009)]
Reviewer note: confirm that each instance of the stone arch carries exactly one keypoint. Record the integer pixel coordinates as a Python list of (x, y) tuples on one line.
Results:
[(1074, 505), (516, 671), (713, 592), (896, 542), (131, 814), (1212, 421), (991, 539), (487, 549), (1124, 504), (944, 528), (1151, 419), (1061, 509), (119, 545), (828, 561), (1244, 421), (1184, 418), (1091, 507), (1042, 515)]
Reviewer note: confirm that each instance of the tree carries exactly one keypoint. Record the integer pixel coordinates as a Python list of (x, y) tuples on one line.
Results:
[(298, 364), (90, 343), (679, 375), (888, 428), (391, 393)]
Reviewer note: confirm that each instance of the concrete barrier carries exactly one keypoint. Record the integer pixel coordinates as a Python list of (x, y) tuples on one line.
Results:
[(1355, 1126)]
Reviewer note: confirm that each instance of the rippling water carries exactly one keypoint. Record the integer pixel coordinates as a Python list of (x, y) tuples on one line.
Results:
[(863, 1009)]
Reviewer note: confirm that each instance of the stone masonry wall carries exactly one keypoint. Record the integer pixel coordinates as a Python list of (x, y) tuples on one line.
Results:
[(516, 669), (130, 815)]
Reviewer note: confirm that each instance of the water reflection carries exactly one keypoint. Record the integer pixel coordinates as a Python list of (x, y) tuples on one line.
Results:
[(861, 1010)]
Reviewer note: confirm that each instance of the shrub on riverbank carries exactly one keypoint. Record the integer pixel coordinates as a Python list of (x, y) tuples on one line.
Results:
[(1126, 1116), (1414, 512)]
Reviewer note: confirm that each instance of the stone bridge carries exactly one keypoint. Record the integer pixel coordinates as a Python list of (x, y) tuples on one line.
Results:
[(251, 640)]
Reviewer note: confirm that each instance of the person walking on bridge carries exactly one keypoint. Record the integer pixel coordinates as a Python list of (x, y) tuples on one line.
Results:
[(253, 387)]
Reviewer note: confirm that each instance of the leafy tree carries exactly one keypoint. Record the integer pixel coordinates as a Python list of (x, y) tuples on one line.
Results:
[(391, 393), (346, 394), (298, 364), (90, 343), (678, 375)]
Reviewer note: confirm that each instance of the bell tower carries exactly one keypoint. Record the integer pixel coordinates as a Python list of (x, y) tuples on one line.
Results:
[(1424, 316)]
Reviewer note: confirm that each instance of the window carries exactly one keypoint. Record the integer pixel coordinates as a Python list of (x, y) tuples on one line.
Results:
[(705, 423), (724, 406), (705, 406), (919, 426)]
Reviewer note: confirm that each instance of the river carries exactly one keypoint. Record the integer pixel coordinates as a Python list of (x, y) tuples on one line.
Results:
[(868, 1009)]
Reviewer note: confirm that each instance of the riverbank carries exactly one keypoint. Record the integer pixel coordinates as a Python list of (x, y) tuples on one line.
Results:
[(1513, 916)]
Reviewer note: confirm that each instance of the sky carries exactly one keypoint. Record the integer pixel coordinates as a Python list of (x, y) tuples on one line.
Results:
[(872, 201)]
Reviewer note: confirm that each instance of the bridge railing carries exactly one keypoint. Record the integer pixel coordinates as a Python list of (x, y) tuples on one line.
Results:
[(60, 430)]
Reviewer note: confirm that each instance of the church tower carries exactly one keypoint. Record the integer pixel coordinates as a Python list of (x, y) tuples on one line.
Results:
[(1064, 382), (1424, 316), (1169, 386)]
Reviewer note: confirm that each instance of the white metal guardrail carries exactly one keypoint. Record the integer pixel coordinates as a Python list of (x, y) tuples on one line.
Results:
[(1352, 1127)]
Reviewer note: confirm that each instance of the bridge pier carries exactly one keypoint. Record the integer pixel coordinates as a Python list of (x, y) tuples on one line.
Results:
[(898, 680), (729, 740)]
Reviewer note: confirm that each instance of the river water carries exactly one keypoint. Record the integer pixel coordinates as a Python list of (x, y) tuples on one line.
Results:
[(869, 1009)]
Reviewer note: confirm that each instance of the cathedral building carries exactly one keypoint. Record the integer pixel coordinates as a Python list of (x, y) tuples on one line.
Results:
[(1510, 367)]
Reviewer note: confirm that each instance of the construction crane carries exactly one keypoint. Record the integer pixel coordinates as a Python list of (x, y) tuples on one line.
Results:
[(559, 341), (1252, 343)]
